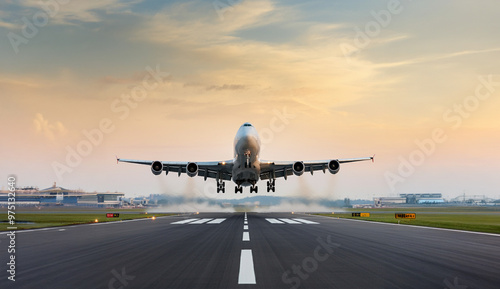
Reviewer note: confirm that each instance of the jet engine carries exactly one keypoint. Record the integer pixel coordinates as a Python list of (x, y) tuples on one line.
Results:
[(333, 166), (298, 168), (192, 169), (156, 167)]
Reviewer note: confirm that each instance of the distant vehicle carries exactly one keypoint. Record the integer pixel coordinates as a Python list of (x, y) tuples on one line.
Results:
[(246, 168)]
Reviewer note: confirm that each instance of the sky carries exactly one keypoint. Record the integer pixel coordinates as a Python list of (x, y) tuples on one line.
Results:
[(417, 83)]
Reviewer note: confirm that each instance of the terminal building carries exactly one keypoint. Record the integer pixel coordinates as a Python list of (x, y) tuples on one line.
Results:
[(423, 198), (388, 201), (416, 199), (59, 196)]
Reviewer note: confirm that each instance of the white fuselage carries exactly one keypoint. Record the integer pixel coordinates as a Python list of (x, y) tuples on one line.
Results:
[(246, 169)]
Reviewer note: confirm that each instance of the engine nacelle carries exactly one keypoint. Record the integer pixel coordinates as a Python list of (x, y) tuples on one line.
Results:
[(156, 167), (333, 166), (298, 168), (192, 169)]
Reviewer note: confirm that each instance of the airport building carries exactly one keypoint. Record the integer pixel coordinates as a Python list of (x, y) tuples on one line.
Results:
[(388, 201), (59, 196), (423, 198), (416, 199)]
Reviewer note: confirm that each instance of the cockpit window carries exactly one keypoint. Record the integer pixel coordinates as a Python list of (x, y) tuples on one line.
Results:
[(247, 124)]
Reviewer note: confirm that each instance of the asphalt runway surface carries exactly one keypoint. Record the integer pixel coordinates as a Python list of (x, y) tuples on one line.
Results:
[(274, 250)]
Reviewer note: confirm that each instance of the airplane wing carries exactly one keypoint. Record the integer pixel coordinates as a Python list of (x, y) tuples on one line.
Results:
[(273, 169), (214, 170)]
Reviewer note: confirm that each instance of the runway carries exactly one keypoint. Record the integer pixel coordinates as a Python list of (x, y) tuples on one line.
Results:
[(268, 250)]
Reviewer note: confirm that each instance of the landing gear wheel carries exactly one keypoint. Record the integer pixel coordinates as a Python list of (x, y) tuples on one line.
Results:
[(221, 187), (238, 189), (271, 186), (254, 189)]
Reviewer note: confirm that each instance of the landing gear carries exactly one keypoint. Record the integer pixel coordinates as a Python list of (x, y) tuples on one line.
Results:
[(238, 189), (254, 188), (271, 185), (221, 187), (247, 155)]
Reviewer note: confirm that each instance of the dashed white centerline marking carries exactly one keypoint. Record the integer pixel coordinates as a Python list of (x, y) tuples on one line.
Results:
[(246, 222), (184, 221), (247, 272), (289, 221), (246, 236), (306, 221), (61, 230), (245, 227), (200, 221), (217, 221), (273, 221)]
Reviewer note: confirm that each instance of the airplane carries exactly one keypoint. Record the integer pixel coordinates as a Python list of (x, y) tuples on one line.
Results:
[(246, 168)]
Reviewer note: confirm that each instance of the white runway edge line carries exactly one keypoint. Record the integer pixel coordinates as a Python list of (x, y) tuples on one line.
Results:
[(247, 272), (81, 225), (246, 236), (414, 226)]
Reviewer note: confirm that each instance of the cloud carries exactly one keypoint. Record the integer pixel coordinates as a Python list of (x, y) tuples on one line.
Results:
[(65, 13), (220, 58), (436, 57), (189, 22), (226, 87), (48, 130), (136, 78)]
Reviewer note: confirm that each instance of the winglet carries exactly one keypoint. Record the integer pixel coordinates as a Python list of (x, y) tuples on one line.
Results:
[(373, 158)]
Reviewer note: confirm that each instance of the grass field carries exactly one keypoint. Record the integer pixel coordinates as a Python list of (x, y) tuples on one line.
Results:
[(469, 219), (32, 220)]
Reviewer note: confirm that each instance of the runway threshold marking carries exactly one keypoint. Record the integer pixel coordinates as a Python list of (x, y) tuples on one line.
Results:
[(217, 221), (273, 221), (289, 221), (246, 236), (306, 221), (201, 221), (184, 221), (247, 271)]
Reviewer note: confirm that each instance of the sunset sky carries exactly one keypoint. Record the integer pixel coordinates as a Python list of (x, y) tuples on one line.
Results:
[(174, 80)]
